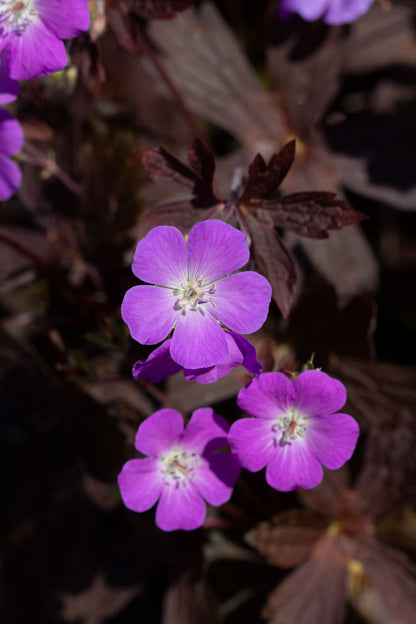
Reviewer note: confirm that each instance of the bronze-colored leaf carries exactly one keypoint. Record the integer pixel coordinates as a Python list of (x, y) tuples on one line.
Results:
[(152, 9), (264, 179)]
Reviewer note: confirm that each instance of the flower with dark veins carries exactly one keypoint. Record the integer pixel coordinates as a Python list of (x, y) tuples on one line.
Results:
[(295, 429), (32, 31), (196, 292)]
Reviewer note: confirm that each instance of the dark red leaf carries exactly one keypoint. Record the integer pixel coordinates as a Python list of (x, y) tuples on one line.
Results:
[(151, 9), (271, 255), (263, 179), (202, 161), (308, 214)]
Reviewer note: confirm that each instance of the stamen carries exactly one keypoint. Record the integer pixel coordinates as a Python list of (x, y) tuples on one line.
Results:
[(15, 16)]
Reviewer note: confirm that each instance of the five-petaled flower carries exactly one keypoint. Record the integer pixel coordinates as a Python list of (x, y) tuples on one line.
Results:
[(182, 469), (194, 293), (32, 30), (295, 429), (331, 11)]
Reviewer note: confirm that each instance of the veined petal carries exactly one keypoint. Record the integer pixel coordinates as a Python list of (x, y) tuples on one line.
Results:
[(216, 249), (65, 19), (10, 177), (157, 366), (205, 428), (149, 312), (180, 508), (198, 340), (242, 301), (332, 439), (293, 466), (11, 134), (269, 396), (248, 353), (161, 257), (140, 484), (251, 441), (35, 53), (159, 432), (215, 481), (318, 394)]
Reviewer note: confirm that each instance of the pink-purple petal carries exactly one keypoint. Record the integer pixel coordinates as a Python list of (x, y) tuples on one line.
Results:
[(198, 340), (10, 177), (215, 482), (157, 366), (205, 428), (216, 249), (150, 313), (248, 353), (318, 394), (140, 484), (180, 507), (11, 134), (269, 396), (65, 19), (9, 89), (159, 432), (35, 53), (332, 439), (161, 257), (293, 466), (251, 441), (242, 301)]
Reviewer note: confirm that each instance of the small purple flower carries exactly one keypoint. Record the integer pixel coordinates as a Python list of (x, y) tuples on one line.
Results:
[(160, 365), (331, 11), (183, 468), (194, 293), (11, 141), (295, 428), (32, 31)]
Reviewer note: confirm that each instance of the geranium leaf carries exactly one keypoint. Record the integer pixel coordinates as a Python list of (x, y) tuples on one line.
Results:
[(152, 9), (263, 179)]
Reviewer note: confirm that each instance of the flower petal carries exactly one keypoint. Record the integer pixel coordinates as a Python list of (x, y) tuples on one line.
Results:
[(251, 441), (161, 257), (242, 301), (11, 134), (35, 53), (10, 178), (159, 432), (318, 394), (310, 11), (269, 396), (65, 19), (140, 484), (205, 428), (293, 466), (346, 11), (332, 439), (248, 353), (215, 480), (180, 508), (198, 340), (216, 249), (149, 312), (9, 89), (157, 366)]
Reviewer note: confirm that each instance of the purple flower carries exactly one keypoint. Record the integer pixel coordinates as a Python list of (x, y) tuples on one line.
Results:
[(295, 428), (9, 89), (183, 468), (11, 141), (331, 11), (160, 365), (32, 31), (194, 293)]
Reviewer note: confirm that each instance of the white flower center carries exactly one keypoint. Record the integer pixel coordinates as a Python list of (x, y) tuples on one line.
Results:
[(289, 427), (16, 16), (178, 467), (193, 293)]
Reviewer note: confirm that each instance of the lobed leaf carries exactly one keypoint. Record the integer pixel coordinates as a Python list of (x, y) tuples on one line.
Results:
[(263, 180)]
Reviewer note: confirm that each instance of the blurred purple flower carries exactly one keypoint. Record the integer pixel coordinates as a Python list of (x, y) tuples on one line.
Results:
[(195, 292), (295, 428), (32, 31), (9, 88), (331, 11), (11, 142), (182, 469), (160, 365)]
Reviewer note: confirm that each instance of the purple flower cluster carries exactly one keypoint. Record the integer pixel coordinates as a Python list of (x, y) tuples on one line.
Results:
[(197, 292), (331, 11)]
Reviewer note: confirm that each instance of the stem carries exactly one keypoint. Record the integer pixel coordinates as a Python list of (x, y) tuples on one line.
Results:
[(43, 161)]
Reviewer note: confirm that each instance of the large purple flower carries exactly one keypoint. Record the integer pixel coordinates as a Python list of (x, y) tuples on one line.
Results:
[(32, 31), (194, 293), (331, 11), (295, 428), (183, 468), (160, 365), (11, 141)]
